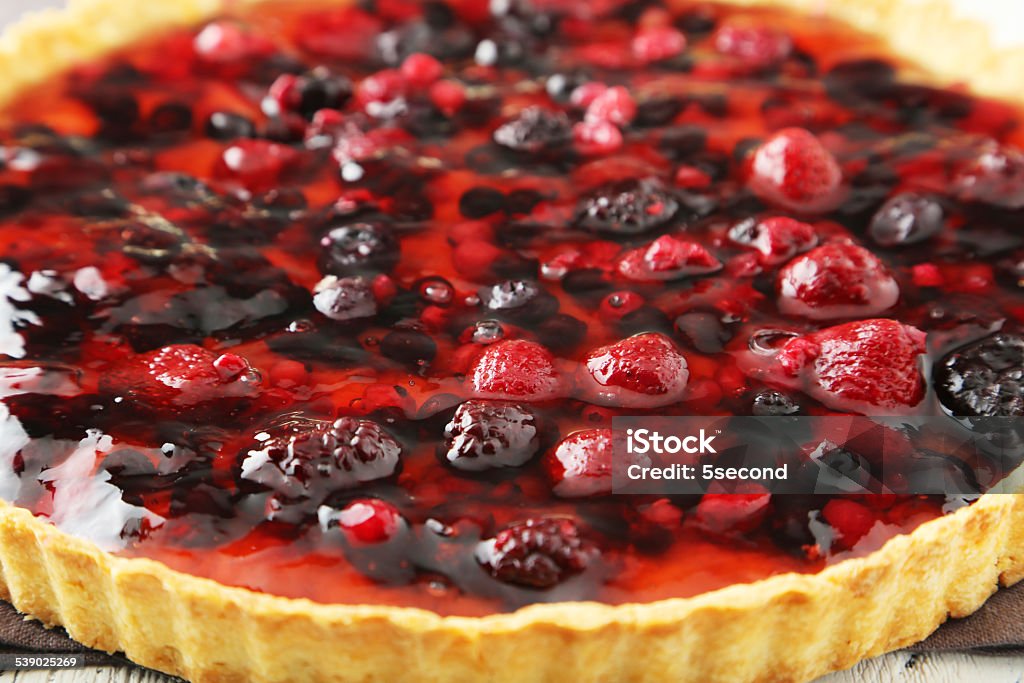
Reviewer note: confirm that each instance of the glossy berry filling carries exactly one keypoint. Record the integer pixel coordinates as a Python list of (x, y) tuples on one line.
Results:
[(340, 303)]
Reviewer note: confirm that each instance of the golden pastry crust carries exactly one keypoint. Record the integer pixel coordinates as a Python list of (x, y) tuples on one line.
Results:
[(785, 628)]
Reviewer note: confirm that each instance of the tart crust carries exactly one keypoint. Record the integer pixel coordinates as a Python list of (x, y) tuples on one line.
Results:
[(791, 627)]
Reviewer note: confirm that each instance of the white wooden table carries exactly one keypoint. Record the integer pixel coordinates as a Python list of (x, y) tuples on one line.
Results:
[(900, 667), (894, 668)]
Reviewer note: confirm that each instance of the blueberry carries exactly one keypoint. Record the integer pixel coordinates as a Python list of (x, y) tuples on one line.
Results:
[(225, 125), (170, 117), (519, 300), (561, 332), (479, 202), (363, 247), (906, 219), (408, 346), (535, 130), (929, 472), (704, 331), (838, 470), (769, 403)]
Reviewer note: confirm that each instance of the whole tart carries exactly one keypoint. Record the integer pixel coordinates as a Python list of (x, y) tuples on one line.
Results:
[(314, 318)]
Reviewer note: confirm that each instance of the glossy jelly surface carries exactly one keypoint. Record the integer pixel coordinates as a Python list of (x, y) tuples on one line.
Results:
[(339, 303)]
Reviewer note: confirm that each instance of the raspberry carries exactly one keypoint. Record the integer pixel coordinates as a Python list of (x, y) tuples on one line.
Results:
[(627, 207), (349, 298), (793, 170), (535, 130), (906, 219), (179, 379), (777, 239), (362, 247), (581, 465), (644, 371), (657, 43), (668, 258), (257, 164), (367, 521), (304, 461), (838, 280), (872, 362), (538, 553), (850, 520), (485, 435), (757, 47), (614, 105), (732, 513), (983, 378), (516, 369)]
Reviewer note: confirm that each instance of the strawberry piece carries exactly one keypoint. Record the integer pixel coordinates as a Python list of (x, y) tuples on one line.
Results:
[(516, 369), (614, 105), (581, 465), (227, 43), (867, 362), (657, 43), (668, 258), (838, 280), (777, 239), (793, 170), (732, 513), (644, 371), (850, 520), (179, 379), (756, 47), (597, 137)]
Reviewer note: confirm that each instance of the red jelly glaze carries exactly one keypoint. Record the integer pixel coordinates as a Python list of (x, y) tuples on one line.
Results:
[(191, 203)]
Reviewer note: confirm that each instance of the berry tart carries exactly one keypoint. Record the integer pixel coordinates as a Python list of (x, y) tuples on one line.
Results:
[(314, 318)]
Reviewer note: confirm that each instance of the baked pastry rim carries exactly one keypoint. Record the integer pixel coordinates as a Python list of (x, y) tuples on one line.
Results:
[(787, 627)]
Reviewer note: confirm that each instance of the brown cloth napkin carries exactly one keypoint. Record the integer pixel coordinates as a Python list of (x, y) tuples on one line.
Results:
[(998, 628)]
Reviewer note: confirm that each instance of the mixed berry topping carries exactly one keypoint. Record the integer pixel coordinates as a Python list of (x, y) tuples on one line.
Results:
[(342, 302)]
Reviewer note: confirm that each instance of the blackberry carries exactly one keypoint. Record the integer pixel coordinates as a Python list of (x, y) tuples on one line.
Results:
[(535, 130), (627, 207), (363, 247), (984, 378), (483, 435), (538, 553)]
